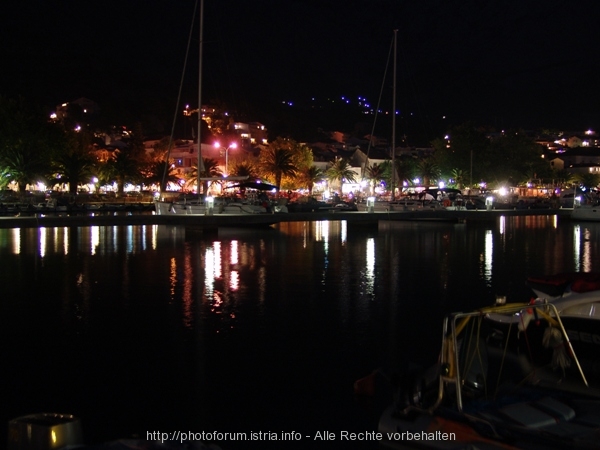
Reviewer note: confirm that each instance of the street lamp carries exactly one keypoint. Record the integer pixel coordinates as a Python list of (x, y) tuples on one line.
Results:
[(234, 145)]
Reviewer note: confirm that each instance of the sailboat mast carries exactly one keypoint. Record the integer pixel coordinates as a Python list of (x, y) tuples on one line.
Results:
[(394, 121), (200, 166)]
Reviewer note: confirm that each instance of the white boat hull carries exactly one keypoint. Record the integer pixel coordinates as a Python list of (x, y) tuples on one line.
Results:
[(201, 209), (411, 205), (586, 212), (184, 209), (241, 208)]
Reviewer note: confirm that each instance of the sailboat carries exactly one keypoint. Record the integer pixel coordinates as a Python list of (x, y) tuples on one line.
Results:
[(186, 205), (191, 204), (424, 203)]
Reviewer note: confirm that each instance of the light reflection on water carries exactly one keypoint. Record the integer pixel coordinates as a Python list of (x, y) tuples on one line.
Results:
[(231, 266), (248, 313)]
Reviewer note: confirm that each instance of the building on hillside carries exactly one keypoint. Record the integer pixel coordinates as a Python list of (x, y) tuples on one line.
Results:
[(250, 134), (376, 156), (568, 139), (184, 155), (85, 105), (577, 160)]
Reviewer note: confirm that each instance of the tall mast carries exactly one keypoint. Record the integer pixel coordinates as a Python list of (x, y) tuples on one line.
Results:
[(394, 121), (200, 166)]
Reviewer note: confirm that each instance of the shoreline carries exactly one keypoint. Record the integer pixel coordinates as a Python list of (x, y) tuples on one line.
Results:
[(359, 218)]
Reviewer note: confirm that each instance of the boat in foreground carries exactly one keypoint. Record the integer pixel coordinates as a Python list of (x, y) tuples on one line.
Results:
[(480, 394), (576, 296)]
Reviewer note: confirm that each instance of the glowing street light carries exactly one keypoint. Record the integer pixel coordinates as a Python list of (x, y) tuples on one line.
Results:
[(233, 145)]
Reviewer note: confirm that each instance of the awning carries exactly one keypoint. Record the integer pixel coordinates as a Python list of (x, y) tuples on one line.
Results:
[(259, 185)]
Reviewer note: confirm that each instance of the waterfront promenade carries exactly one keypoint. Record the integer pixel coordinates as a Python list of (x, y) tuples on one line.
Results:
[(213, 222)]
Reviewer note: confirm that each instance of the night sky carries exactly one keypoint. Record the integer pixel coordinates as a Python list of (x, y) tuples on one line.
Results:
[(526, 64)]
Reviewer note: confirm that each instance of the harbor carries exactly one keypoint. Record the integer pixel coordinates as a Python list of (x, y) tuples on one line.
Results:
[(156, 318)]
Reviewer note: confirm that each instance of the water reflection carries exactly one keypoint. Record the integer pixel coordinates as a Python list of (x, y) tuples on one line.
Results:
[(288, 302), (216, 276), (583, 237), (370, 267), (488, 257)]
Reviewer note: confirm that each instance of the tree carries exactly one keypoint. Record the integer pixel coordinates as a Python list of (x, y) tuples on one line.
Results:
[(277, 160), (515, 157), (340, 170), (4, 177), (23, 167), (309, 176), (160, 150), (159, 172), (375, 174), (121, 168), (428, 171), (588, 180), (244, 169), (303, 160), (27, 142), (211, 170), (135, 143), (466, 148), (74, 165), (459, 176), (562, 177), (406, 170)]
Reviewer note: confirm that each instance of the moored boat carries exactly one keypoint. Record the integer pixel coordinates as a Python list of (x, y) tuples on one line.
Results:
[(187, 206), (576, 296), (480, 394), (586, 212)]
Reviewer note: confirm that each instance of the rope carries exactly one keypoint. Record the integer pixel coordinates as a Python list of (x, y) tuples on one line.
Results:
[(377, 110)]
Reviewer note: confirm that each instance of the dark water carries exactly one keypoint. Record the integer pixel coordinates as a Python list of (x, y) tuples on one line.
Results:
[(138, 329)]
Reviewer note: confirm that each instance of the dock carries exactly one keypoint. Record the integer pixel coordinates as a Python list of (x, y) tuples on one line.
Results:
[(213, 222)]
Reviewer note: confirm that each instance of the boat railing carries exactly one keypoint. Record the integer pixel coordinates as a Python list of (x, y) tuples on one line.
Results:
[(476, 361), (462, 355)]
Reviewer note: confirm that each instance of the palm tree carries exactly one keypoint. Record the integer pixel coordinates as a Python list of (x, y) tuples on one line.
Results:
[(375, 173), (429, 171), (23, 167), (4, 180), (340, 170), (27, 142), (160, 172), (310, 176), (74, 165), (73, 168), (244, 169), (406, 170), (588, 180), (459, 175), (121, 168), (211, 170), (277, 162), (564, 177)]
